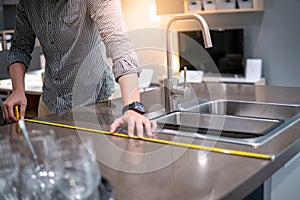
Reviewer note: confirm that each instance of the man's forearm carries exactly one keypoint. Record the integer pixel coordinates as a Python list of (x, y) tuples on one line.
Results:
[(17, 73), (129, 88)]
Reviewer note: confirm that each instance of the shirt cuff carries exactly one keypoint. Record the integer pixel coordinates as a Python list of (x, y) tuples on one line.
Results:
[(126, 65), (15, 56)]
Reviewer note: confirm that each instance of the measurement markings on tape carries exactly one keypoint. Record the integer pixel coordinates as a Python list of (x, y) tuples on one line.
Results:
[(179, 144)]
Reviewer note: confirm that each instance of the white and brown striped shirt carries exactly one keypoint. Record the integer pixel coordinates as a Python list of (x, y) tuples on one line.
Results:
[(76, 37)]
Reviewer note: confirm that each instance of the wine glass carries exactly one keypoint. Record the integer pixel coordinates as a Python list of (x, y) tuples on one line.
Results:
[(9, 172), (38, 175), (80, 175)]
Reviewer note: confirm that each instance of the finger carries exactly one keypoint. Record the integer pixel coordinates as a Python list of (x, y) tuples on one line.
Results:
[(11, 114), (139, 129), (22, 111), (115, 125), (154, 126), (148, 128), (130, 128)]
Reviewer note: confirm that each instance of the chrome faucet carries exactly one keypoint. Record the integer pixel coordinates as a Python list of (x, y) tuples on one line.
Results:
[(171, 89)]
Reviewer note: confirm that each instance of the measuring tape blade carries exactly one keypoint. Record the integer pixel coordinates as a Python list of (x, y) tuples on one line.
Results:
[(160, 141)]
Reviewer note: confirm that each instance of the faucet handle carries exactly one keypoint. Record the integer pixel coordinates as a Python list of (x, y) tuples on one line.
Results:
[(187, 92), (184, 77), (184, 92)]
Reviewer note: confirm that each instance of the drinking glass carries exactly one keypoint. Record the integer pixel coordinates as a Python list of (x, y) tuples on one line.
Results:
[(38, 175), (80, 175), (5, 147), (9, 175)]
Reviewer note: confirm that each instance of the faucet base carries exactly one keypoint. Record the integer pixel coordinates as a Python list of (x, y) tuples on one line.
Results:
[(168, 87)]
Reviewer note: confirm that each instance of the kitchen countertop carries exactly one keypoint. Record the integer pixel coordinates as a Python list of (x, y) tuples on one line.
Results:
[(33, 83), (145, 170)]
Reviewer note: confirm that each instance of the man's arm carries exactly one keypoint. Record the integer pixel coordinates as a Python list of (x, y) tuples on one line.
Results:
[(19, 60), (17, 97), (108, 17), (133, 120), (129, 88)]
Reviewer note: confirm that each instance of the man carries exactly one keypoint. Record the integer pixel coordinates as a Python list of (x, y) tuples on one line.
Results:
[(73, 35)]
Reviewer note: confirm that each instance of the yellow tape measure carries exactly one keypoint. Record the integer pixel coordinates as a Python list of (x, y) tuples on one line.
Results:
[(17, 112), (179, 144)]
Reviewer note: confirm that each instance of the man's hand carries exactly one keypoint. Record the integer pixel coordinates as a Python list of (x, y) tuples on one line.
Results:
[(134, 120), (15, 99)]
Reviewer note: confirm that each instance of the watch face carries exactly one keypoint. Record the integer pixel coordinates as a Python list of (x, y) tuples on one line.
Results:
[(139, 107), (136, 106)]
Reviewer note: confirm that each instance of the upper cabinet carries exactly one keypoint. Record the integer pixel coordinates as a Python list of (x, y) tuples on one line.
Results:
[(208, 6), (169, 6)]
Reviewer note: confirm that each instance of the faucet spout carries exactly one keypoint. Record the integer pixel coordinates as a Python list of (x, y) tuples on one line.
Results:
[(185, 17), (171, 90)]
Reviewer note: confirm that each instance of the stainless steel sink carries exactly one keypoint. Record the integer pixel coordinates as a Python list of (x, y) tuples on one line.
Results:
[(226, 125), (244, 108), (242, 122)]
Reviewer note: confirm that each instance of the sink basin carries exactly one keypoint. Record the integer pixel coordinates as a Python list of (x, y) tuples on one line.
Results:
[(226, 125), (241, 122), (245, 108)]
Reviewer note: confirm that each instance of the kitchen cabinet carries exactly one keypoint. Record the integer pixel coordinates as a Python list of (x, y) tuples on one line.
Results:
[(285, 182), (10, 2), (234, 80), (257, 6), (169, 6), (33, 89), (182, 6), (5, 39)]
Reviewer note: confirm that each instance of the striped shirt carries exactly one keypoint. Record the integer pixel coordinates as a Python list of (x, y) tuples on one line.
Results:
[(77, 36)]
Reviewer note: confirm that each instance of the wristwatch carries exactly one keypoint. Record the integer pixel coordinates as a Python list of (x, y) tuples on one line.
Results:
[(135, 106)]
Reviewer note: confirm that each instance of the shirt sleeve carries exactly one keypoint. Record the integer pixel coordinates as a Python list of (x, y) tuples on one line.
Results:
[(23, 39), (108, 17)]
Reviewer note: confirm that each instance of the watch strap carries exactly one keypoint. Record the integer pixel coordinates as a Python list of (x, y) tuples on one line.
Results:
[(135, 106)]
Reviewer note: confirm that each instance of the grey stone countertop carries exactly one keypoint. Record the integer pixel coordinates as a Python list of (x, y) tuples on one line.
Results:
[(145, 170)]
